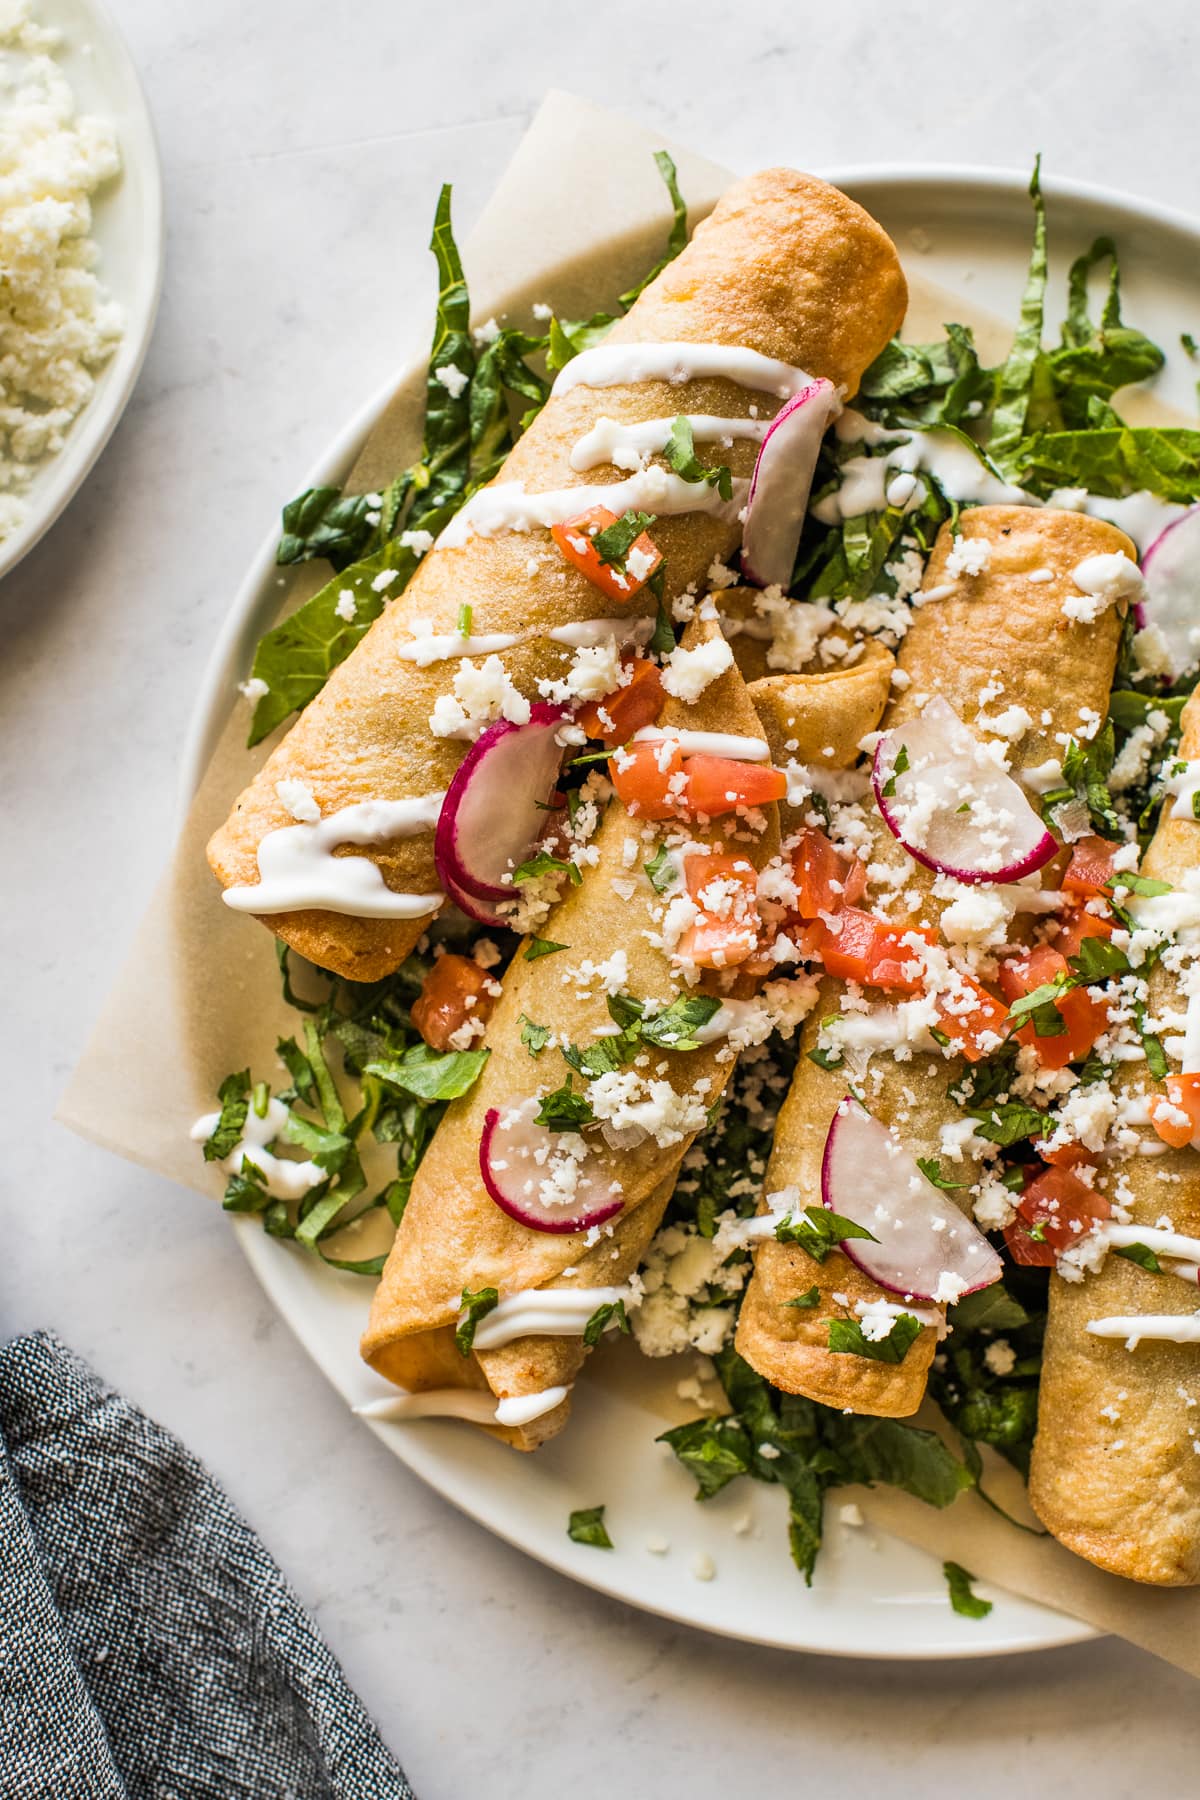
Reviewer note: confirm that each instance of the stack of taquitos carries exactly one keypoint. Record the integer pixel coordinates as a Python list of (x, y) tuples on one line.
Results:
[(985, 642), (1116, 1470), (786, 267)]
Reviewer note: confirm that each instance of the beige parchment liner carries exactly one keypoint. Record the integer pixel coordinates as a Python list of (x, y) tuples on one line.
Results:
[(199, 994)]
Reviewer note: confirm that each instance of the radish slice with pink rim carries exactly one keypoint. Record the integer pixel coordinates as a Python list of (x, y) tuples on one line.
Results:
[(926, 1249), (1171, 566), (526, 1169), (484, 912), (952, 807), (781, 482), (494, 810)]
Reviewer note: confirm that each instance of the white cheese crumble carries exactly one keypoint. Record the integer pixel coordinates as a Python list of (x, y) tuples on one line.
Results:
[(482, 693), (297, 797), (452, 379), (1102, 581), (58, 326), (968, 556), (687, 673)]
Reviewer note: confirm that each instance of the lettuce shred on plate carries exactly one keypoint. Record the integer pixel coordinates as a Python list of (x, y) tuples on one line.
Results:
[(1043, 420)]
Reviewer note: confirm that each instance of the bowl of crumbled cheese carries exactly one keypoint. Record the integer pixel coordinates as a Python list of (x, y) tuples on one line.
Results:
[(80, 253)]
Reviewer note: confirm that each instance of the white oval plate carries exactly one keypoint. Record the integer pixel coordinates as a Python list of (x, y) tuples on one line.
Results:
[(967, 230), (127, 225)]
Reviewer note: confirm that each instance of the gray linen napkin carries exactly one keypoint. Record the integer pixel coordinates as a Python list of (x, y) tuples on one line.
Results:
[(149, 1647)]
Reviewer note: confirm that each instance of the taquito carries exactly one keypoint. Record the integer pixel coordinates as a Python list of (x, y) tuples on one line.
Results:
[(453, 1236), (987, 642), (786, 268), (1115, 1473)]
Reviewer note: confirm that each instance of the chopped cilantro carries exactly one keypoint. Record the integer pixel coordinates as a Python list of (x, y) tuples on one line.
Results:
[(962, 1599), (846, 1338), (534, 1037), (475, 1306), (806, 1301), (660, 870), (587, 1527), (538, 946), (614, 543), (1142, 1255), (610, 1312), (820, 1231)]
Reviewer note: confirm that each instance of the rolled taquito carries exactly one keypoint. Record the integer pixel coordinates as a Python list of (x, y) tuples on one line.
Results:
[(1115, 1473), (987, 642), (453, 1236), (786, 268)]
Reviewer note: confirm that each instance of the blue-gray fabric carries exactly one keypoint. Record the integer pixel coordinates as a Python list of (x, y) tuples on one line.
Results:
[(149, 1646)]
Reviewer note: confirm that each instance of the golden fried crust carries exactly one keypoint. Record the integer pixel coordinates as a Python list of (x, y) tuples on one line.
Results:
[(1115, 1473), (453, 1235), (785, 265), (823, 716), (1002, 624)]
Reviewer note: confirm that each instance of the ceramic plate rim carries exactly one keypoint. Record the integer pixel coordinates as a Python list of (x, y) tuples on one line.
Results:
[(94, 427), (211, 709)]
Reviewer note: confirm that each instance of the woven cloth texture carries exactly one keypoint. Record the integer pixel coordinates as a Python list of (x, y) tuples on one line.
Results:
[(149, 1646)]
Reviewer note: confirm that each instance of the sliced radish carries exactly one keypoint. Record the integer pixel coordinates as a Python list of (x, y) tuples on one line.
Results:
[(952, 807), (1171, 565), (780, 484), (520, 1161), (484, 912), (494, 808), (926, 1249)]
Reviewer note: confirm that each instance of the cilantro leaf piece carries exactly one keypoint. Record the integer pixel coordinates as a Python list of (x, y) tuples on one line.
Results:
[(1142, 1255), (903, 1456), (846, 1338), (234, 1095), (614, 543), (820, 1231), (564, 1109), (991, 1308), (1156, 1056), (587, 1527), (806, 1301), (676, 1026), (475, 1306), (679, 454), (1097, 960), (662, 640), (610, 1312), (1039, 1008), (660, 870), (430, 1074), (931, 1169), (545, 864), (246, 1191), (1008, 1122), (1138, 884), (962, 1599), (291, 997), (534, 1037), (542, 947)]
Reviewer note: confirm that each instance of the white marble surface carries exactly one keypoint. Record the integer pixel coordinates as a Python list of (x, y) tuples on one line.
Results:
[(302, 147)]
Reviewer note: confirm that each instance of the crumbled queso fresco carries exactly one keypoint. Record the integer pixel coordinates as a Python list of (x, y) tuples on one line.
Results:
[(58, 326)]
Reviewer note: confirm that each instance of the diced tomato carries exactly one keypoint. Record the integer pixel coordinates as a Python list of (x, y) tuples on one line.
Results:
[(1059, 1208), (1090, 867), (860, 947), (1067, 1156), (454, 991), (649, 779), (717, 785), (627, 709), (973, 1027), (1078, 923), (725, 888), (1084, 1017), (574, 538), (809, 937), (823, 881), (1182, 1095)]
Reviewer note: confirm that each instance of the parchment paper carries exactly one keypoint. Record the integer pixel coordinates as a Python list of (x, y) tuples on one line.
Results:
[(199, 994)]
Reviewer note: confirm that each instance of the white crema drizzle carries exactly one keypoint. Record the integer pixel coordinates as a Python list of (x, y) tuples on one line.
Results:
[(298, 868), (285, 1180), (472, 1404), (707, 743), (545, 1312), (506, 506), (629, 446), (626, 365)]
